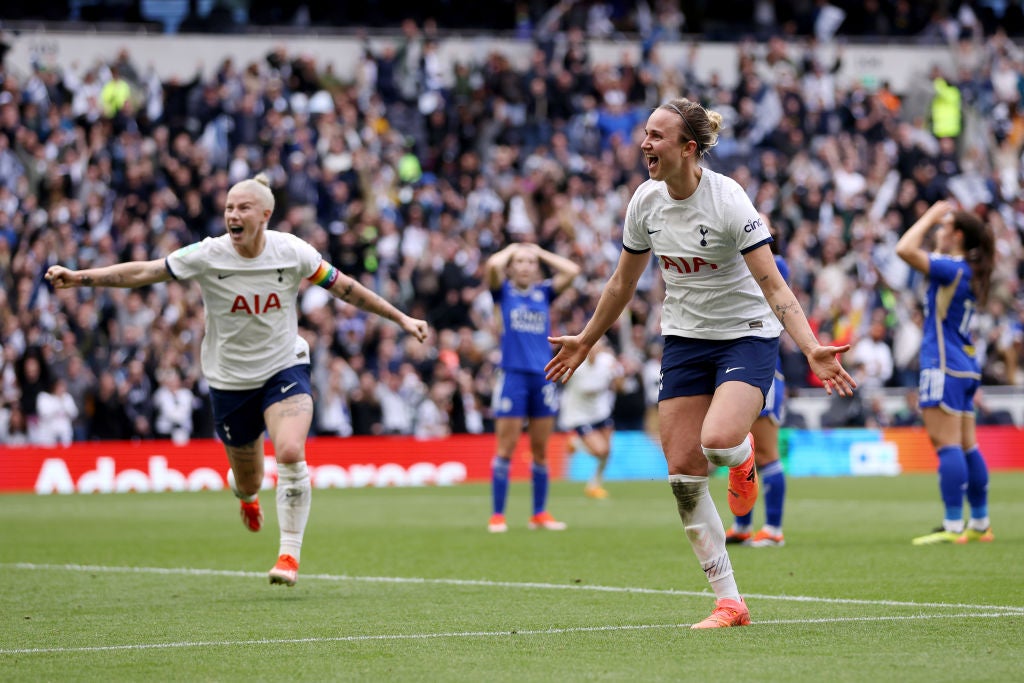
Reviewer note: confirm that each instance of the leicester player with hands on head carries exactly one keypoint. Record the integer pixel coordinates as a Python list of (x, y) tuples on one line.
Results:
[(256, 363), (725, 306), (958, 271), (522, 299)]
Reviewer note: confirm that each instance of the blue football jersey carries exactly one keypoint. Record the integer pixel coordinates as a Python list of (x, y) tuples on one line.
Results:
[(949, 305), (526, 324), (783, 267)]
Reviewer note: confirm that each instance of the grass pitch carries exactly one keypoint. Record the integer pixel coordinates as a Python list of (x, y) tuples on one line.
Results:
[(407, 585)]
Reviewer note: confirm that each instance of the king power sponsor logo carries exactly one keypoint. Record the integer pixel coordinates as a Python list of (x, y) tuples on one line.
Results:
[(55, 477)]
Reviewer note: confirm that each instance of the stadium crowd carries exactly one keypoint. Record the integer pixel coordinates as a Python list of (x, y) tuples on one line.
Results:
[(408, 177)]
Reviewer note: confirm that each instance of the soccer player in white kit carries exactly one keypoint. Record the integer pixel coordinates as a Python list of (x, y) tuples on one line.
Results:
[(256, 363), (725, 306), (587, 404)]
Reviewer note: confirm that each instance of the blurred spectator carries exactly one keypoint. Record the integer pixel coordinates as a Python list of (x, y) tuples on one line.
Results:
[(115, 94), (910, 414), (396, 411), (906, 347), (80, 381), (365, 407), (987, 415), (332, 412), (137, 390), (13, 427), (432, 420), (871, 357), (108, 420), (56, 409), (172, 406)]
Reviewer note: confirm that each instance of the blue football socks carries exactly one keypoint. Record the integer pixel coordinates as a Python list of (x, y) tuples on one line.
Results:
[(977, 483), (953, 481), (499, 483), (773, 488), (539, 475)]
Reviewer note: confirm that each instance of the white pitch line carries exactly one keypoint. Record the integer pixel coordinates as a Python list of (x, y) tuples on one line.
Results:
[(179, 571), (468, 634)]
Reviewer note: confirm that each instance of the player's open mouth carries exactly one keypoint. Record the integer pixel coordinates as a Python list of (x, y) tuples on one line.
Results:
[(236, 229), (652, 162)]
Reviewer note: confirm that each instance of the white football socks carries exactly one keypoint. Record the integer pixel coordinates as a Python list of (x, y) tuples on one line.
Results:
[(704, 529), (729, 457), (294, 496)]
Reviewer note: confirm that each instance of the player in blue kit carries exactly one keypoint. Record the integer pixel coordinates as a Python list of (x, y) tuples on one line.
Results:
[(959, 272), (522, 392), (765, 431)]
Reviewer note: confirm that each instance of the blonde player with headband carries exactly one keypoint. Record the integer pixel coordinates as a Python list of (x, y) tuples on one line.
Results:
[(257, 365), (725, 307)]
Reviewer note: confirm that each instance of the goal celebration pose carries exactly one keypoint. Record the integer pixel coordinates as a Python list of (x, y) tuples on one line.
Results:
[(256, 363), (725, 306)]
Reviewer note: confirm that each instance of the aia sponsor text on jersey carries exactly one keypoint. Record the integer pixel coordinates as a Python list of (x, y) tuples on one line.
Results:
[(684, 265), (257, 305)]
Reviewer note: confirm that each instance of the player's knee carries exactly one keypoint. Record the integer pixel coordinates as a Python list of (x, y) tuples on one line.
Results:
[(290, 451), (728, 457)]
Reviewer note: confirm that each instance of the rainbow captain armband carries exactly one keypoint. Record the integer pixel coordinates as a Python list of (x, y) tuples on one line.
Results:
[(325, 276)]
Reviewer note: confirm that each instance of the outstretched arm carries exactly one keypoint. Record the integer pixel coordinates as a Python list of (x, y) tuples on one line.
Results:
[(909, 247), (349, 290), (616, 295), (131, 274), (822, 359)]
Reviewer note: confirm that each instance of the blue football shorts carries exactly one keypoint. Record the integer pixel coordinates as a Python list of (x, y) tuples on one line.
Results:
[(953, 394), (238, 415), (775, 401), (583, 430), (695, 367), (524, 394)]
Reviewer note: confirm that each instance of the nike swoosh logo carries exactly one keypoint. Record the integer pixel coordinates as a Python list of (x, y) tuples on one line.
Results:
[(651, 232), (285, 389), (728, 370), (221, 276)]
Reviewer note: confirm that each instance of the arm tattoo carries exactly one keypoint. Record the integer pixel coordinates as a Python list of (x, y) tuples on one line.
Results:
[(373, 303), (111, 280), (782, 309)]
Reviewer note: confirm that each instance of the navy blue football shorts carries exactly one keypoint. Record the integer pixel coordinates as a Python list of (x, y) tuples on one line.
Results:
[(695, 367), (583, 430), (238, 415)]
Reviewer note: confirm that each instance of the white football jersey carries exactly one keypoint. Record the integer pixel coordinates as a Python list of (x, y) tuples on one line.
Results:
[(588, 397), (699, 244), (250, 306)]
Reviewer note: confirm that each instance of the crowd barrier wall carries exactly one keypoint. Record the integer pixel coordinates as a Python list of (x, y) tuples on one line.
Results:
[(903, 66), (122, 466)]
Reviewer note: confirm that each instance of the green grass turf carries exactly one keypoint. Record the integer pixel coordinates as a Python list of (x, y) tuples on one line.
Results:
[(407, 585)]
